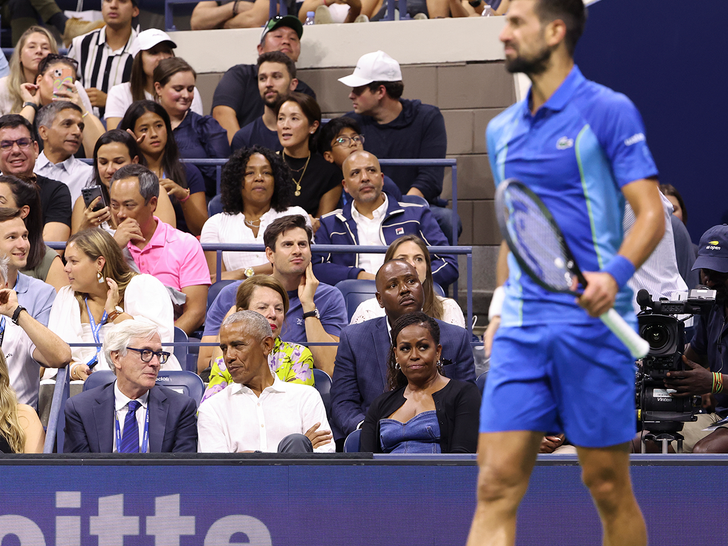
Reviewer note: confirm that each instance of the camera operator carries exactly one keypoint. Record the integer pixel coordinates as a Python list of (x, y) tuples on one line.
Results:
[(703, 357)]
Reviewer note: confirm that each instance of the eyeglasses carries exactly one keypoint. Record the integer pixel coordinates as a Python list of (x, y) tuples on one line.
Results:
[(348, 141), (147, 354), (23, 143)]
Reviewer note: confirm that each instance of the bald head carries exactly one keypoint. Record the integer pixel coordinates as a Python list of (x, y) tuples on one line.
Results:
[(363, 179), (399, 290)]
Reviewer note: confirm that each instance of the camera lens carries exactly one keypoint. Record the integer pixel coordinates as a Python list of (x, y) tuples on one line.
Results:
[(656, 335)]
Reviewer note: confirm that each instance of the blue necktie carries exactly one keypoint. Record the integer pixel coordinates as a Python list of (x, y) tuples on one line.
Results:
[(130, 440)]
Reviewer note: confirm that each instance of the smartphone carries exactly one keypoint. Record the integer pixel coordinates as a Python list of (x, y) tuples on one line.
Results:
[(91, 193), (62, 78)]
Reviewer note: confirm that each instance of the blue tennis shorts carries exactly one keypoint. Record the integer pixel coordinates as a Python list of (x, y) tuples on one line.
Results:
[(573, 378)]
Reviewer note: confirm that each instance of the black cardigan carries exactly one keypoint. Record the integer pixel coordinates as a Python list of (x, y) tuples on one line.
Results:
[(457, 406)]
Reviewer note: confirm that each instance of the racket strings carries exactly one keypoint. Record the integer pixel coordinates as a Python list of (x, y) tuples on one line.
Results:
[(539, 245)]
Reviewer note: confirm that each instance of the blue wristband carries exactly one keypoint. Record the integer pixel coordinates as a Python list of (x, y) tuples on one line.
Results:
[(621, 269)]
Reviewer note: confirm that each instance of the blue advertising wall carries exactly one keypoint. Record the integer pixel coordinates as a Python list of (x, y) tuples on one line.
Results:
[(369, 502), (666, 55)]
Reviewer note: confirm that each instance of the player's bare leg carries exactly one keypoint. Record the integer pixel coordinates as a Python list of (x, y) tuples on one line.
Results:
[(506, 460), (605, 472)]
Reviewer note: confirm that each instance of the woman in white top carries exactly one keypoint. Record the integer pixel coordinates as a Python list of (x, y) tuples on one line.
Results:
[(255, 188), (154, 45), (103, 290), (412, 249)]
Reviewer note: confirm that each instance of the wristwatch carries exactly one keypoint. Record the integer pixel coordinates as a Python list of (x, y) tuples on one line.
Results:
[(16, 313), (249, 272), (31, 104), (313, 313), (114, 314)]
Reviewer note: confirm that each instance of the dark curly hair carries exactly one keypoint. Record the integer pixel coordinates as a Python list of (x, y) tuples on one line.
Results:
[(233, 176), (395, 377)]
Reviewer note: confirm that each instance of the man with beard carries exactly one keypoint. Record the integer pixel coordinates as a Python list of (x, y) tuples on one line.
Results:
[(276, 79), (555, 367), (704, 355)]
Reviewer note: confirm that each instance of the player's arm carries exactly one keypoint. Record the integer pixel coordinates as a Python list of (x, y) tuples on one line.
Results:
[(649, 227)]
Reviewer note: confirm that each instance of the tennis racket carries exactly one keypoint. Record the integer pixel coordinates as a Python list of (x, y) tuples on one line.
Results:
[(539, 247)]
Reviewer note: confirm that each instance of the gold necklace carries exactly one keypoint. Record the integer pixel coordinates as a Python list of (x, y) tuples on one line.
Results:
[(297, 193)]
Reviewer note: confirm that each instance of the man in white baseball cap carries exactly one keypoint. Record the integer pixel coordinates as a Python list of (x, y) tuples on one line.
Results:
[(397, 128)]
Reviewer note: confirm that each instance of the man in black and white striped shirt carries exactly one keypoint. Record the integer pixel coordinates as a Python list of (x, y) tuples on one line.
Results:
[(105, 55)]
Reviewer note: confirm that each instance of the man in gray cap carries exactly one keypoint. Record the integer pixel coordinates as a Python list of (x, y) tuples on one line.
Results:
[(397, 128), (237, 101), (704, 372)]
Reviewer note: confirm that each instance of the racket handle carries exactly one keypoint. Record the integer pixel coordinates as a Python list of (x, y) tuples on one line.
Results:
[(626, 334)]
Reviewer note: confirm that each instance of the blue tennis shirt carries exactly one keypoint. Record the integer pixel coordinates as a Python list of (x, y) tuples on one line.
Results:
[(576, 154)]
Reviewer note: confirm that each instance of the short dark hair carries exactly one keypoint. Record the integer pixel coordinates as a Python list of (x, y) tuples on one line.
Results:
[(283, 224), (330, 131), (669, 190), (571, 12), (280, 58), (148, 181), (8, 213), (395, 377), (11, 121), (233, 177), (393, 89), (52, 59)]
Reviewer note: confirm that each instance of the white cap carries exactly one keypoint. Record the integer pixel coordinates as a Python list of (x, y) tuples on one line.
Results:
[(373, 67), (149, 38)]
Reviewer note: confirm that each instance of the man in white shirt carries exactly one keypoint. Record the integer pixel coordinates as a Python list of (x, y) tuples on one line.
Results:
[(133, 414), (60, 127), (105, 55), (26, 343), (259, 412)]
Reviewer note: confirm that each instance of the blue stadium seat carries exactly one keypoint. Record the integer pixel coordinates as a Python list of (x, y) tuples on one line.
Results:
[(214, 206), (438, 289), (351, 444), (180, 381), (180, 351), (355, 291), (415, 199), (323, 383), (215, 290)]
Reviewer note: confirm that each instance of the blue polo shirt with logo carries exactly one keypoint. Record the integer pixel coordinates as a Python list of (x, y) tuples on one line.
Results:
[(576, 154)]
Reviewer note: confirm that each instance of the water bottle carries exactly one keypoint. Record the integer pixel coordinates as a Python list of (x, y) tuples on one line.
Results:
[(488, 12), (309, 18)]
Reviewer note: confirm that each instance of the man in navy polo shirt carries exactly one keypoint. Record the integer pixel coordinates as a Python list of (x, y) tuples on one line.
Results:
[(554, 366), (316, 311)]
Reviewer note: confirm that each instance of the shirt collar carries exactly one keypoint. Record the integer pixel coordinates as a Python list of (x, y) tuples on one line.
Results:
[(121, 400), (277, 386), (377, 214), (22, 283), (562, 96)]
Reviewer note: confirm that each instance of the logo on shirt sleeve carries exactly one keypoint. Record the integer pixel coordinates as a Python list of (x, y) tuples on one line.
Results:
[(634, 139), (564, 143)]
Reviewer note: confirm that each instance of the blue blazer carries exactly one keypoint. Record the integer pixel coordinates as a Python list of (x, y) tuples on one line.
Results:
[(90, 421), (360, 373)]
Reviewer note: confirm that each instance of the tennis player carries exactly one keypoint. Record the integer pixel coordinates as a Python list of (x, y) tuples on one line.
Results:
[(554, 367)]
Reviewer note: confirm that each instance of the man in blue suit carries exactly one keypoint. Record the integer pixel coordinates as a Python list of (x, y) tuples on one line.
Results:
[(133, 414), (360, 373)]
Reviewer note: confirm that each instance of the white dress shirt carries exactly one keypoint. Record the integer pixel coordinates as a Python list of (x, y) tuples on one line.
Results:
[(370, 234), (237, 420), (72, 172), (23, 369), (121, 405)]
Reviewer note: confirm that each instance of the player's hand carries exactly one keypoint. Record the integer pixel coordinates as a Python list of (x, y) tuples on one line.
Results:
[(551, 442), (96, 96), (307, 288), (600, 293), (489, 334), (126, 231), (318, 437), (695, 380)]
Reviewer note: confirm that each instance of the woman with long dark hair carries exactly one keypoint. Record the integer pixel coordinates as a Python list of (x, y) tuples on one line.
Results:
[(424, 412), (113, 150), (43, 263), (151, 126)]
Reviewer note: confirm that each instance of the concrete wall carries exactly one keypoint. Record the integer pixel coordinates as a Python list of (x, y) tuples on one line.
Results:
[(456, 64)]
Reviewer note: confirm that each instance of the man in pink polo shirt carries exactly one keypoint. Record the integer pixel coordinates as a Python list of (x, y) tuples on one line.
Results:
[(172, 256)]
